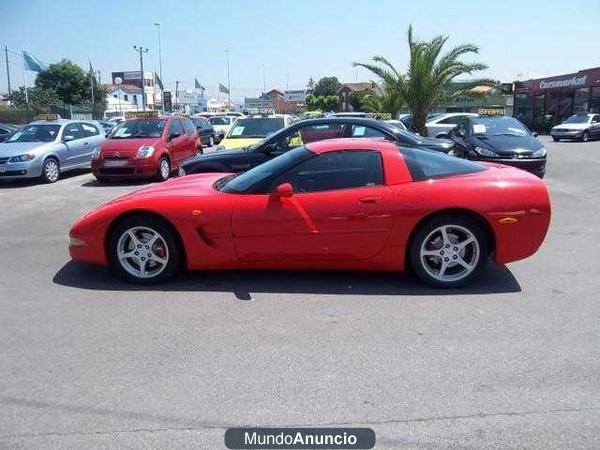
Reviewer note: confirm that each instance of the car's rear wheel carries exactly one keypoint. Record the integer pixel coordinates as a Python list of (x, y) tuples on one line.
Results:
[(585, 136), (448, 251), (50, 171), (144, 250), (164, 169)]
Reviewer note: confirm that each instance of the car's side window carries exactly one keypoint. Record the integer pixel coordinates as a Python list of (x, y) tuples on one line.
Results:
[(335, 170), (176, 128), (451, 120), (596, 119), (362, 131), (189, 126), (74, 131), (321, 131), (89, 129)]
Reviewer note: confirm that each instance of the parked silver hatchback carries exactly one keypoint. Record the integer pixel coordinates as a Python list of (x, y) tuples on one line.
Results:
[(46, 148)]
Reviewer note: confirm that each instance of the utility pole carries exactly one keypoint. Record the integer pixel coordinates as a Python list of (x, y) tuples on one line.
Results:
[(162, 94), (7, 68), (177, 95), (228, 81), (141, 51), (99, 79)]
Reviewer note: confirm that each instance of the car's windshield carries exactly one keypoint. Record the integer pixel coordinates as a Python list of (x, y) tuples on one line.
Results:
[(255, 176), (577, 118), (35, 133), (139, 128), (219, 120), (255, 127), (497, 126)]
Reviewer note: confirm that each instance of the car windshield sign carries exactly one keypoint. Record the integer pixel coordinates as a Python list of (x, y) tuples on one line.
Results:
[(35, 133), (255, 127), (577, 118), (498, 126), (139, 128)]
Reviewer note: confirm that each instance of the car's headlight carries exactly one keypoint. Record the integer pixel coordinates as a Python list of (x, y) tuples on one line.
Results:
[(485, 152), (539, 153), (22, 158), (145, 151), (96, 153)]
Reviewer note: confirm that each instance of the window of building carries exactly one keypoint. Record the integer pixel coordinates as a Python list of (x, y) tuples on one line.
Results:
[(551, 106), (538, 108), (523, 110), (565, 104), (135, 99), (595, 100), (126, 97), (581, 100), (335, 170)]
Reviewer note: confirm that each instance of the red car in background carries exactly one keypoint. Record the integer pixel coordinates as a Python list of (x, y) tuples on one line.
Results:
[(149, 147), (340, 204)]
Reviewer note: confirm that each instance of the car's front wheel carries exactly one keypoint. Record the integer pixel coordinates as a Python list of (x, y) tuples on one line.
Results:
[(164, 169), (585, 136), (50, 171), (555, 139), (448, 251), (144, 250)]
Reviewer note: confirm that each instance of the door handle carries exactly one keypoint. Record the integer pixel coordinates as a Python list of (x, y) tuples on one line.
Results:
[(371, 199), (85, 143)]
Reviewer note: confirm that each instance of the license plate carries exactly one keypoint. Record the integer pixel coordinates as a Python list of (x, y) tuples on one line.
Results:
[(115, 163), (2, 169)]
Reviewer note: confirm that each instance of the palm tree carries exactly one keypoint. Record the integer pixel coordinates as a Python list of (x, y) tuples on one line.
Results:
[(383, 99), (428, 81)]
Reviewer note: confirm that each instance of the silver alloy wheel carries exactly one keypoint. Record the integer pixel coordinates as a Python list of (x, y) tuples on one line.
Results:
[(51, 170), (164, 169), (450, 253), (142, 252), (585, 136)]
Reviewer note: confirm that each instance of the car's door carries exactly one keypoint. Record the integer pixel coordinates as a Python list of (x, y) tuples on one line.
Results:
[(595, 125), (192, 138), (340, 210), (177, 141), (77, 145), (94, 136)]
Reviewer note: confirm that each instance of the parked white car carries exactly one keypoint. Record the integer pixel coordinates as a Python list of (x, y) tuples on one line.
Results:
[(581, 126), (440, 125), (221, 124)]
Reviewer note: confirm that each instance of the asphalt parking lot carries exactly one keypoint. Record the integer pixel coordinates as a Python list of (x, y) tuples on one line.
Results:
[(512, 361)]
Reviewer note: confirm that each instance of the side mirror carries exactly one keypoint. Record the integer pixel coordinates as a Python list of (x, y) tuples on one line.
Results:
[(68, 138), (458, 132), (284, 190), (107, 134), (444, 135), (173, 136), (535, 134)]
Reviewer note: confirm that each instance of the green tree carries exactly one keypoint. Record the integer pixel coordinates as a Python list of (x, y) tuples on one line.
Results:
[(321, 102), (428, 81), (383, 99), (36, 96), (68, 80), (327, 86)]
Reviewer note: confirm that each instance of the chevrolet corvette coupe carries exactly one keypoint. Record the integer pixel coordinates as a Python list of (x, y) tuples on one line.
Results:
[(361, 204)]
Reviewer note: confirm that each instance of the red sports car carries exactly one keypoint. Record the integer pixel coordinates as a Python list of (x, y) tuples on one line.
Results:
[(146, 147), (340, 204)]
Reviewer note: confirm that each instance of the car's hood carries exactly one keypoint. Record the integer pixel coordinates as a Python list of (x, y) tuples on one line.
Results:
[(508, 144), (125, 146), (219, 155), (229, 143), (571, 126), (435, 143), (197, 185), (19, 148)]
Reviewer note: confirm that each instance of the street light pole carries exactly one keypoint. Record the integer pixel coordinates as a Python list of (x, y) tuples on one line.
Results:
[(228, 82), (162, 93), (141, 51)]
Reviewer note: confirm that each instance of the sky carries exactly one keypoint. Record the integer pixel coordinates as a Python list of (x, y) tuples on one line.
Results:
[(294, 40)]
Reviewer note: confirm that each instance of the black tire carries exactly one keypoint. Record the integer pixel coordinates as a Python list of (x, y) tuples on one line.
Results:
[(51, 170), (101, 179), (555, 139), (161, 173), (585, 136), (174, 253), (425, 231)]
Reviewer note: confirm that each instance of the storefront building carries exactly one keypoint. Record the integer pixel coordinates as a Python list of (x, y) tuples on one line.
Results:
[(544, 102)]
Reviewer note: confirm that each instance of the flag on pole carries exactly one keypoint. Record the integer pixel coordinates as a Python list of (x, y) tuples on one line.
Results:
[(158, 81), (32, 63), (223, 89), (197, 84)]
